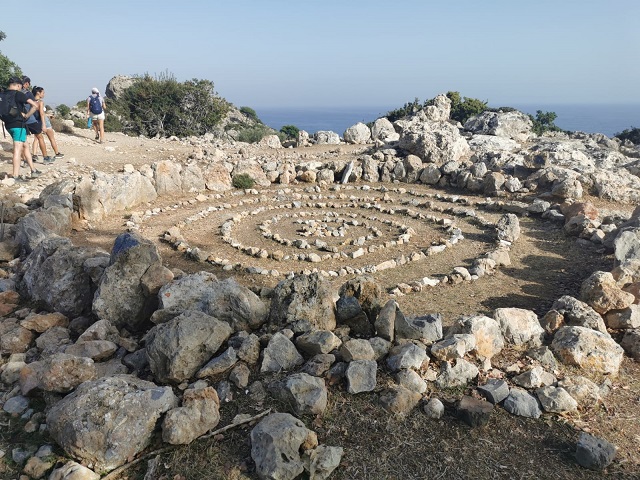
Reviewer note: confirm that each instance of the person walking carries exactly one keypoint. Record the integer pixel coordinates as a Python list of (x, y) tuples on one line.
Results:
[(95, 110), (38, 94), (18, 131)]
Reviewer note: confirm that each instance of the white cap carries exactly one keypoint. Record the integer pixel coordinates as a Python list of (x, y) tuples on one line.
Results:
[(95, 90)]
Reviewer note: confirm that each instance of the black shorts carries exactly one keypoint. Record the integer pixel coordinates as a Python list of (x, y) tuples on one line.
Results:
[(34, 128)]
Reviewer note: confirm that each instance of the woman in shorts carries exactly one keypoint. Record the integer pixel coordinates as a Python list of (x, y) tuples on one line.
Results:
[(38, 93), (36, 128), (95, 110)]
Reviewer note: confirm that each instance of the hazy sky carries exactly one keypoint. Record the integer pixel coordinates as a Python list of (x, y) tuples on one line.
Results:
[(262, 53)]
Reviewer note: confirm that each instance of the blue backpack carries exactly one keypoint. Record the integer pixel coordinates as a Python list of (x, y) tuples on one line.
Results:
[(95, 105)]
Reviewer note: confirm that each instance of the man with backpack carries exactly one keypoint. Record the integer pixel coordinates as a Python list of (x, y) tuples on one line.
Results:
[(95, 111), (14, 115)]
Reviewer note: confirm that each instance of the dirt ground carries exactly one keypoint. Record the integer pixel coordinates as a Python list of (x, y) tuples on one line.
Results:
[(545, 265)]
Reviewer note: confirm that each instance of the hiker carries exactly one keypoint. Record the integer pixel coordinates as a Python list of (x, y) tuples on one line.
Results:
[(38, 94), (18, 131), (35, 125), (95, 110)]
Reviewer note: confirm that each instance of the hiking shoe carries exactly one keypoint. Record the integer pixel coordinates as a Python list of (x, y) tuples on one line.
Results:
[(59, 155), (48, 160), (21, 179), (35, 158), (98, 137), (23, 164), (35, 173)]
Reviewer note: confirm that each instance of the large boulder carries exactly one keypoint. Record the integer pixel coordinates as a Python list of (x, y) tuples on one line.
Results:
[(217, 178), (514, 125), (304, 298), (178, 348), (601, 292), (43, 223), (121, 297), (358, 134), (433, 142), (117, 85), (224, 299), (166, 175), (382, 130), (106, 422), (588, 349), (323, 137), (103, 194), (56, 276), (487, 333)]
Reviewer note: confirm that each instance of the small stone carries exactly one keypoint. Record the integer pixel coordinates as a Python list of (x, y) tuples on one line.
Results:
[(434, 408), (495, 390), (594, 453), (474, 412)]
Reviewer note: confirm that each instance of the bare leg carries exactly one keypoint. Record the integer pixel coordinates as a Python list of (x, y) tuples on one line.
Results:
[(34, 147), (17, 154), (43, 147), (52, 140), (101, 124)]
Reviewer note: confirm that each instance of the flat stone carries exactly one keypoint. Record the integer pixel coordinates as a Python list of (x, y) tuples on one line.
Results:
[(474, 412)]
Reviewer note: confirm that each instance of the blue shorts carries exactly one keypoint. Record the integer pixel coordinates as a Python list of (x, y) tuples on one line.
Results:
[(18, 134)]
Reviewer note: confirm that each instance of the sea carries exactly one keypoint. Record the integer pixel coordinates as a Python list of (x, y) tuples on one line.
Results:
[(606, 119)]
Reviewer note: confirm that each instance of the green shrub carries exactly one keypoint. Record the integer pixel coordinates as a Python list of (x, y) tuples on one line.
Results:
[(243, 181), (409, 108), (465, 108), (253, 133), (632, 134), (251, 113), (63, 110), (543, 122), (290, 132)]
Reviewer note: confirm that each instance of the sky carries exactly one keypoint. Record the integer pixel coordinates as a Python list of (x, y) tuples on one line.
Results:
[(277, 53)]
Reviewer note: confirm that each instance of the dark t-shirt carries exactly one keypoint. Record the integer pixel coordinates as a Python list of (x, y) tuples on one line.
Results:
[(21, 101)]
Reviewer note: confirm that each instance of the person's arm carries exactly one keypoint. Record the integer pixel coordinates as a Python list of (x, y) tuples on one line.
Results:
[(34, 107), (42, 116), (88, 112)]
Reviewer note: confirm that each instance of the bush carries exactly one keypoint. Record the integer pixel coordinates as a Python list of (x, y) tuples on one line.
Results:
[(243, 181), (409, 108), (164, 107), (290, 132), (63, 110), (253, 134), (251, 113), (543, 122), (463, 109), (631, 134)]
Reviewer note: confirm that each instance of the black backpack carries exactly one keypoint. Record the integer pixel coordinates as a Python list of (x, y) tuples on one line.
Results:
[(8, 107), (95, 104)]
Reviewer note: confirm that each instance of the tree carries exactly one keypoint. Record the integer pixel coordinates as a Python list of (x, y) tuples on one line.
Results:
[(543, 122), (251, 113), (631, 134), (290, 131), (8, 69), (164, 107)]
